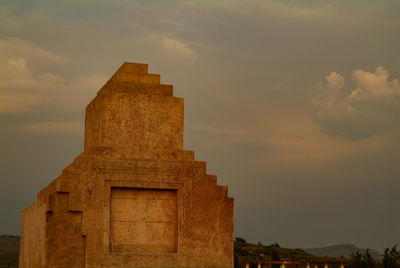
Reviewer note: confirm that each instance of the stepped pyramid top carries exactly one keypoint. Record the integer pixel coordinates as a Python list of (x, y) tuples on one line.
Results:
[(135, 73), (134, 116), (134, 78)]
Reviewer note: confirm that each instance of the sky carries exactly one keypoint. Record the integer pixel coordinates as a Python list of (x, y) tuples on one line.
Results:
[(293, 104)]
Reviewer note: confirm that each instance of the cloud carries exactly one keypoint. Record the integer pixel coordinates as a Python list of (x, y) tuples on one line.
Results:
[(15, 75), (177, 47), (286, 10), (15, 103), (69, 127), (20, 89), (26, 87), (294, 139), (335, 81), (372, 108), (374, 85), (168, 45), (224, 131), (15, 47)]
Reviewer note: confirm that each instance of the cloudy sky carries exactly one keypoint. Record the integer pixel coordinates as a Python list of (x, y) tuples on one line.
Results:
[(295, 105)]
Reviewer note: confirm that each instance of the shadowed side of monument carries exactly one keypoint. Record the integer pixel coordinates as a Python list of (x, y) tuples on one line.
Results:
[(134, 197)]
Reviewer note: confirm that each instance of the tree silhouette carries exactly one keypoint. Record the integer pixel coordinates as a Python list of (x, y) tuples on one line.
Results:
[(391, 258), (365, 260)]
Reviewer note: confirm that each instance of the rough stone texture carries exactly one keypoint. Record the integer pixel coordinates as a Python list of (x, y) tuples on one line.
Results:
[(134, 197)]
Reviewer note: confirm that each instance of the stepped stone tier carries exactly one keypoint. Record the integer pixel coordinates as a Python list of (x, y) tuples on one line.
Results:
[(134, 197)]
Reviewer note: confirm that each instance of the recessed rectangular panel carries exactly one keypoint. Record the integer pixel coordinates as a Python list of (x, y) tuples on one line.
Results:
[(143, 220), (159, 233), (120, 207), (161, 210), (127, 232)]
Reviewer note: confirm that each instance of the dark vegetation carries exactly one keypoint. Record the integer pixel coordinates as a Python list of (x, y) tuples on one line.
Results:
[(9, 260), (9, 244), (273, 252), (365, 260), (391, 257), (9, 251)]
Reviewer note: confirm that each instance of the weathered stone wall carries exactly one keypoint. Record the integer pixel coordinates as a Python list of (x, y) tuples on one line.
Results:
[(134, 197), (33, 236)]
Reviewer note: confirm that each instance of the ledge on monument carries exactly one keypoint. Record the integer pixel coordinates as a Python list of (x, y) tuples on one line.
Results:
[(115, 153), (136, 88)]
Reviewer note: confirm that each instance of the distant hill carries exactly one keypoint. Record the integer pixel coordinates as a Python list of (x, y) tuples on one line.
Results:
[(9, 244), (245, 251), (345, 250)]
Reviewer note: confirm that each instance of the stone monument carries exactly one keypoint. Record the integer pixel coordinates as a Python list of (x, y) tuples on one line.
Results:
[(134, 197)]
